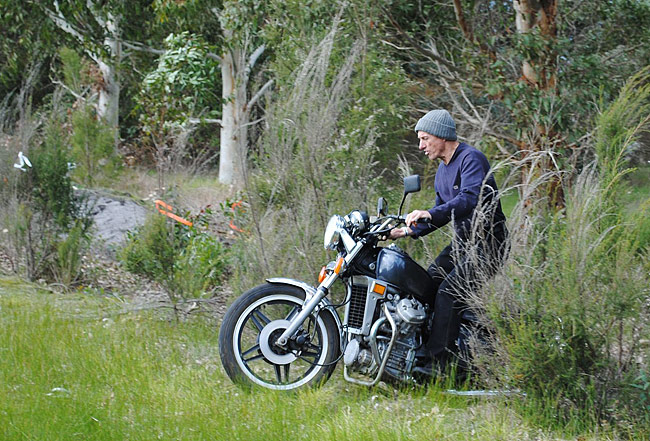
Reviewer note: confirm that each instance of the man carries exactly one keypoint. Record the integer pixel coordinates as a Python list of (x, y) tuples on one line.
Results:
[(466, 195)]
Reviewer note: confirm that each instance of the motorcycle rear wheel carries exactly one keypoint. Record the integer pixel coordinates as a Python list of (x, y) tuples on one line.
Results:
[(253, 323)]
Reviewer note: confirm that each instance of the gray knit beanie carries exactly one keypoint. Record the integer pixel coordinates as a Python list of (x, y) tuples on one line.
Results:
[(438, 123)]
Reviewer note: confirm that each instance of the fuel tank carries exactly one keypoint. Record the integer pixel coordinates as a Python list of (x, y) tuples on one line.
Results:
[(397, 268)]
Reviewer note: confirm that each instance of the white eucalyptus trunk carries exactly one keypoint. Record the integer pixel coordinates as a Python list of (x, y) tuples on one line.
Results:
[(234, 119), (108, 106), (108, 102), (525, 20), (531, 15)]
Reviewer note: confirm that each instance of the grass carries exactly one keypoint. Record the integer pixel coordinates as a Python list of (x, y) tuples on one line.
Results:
[(69, 369)]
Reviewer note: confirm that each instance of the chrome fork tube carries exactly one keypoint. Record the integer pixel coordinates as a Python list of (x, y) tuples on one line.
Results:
[(311, 303), (307, 309)]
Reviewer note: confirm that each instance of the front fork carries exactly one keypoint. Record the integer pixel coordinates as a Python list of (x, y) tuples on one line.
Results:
[(312, 302)]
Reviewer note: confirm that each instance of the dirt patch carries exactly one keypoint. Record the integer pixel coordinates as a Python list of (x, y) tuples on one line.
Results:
[(113, 217)]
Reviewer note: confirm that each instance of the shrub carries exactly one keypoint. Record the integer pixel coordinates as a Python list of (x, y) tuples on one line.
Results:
[(92, 148), (571, 308), (66, 265), (42, 212), (570, 312), (188, 261), (151, 249)]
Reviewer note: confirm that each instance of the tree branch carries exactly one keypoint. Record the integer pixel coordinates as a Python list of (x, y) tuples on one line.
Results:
[(59, 19), (62, 23), (142, 48), (253, 58), (78, 96), (259, 94), (215, 57), (94, 11), (464, 26), (204, 120), (521, 145), (418, 47)]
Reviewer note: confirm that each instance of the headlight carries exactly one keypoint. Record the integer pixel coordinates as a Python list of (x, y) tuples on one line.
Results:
[(359, 220), (333, 232)]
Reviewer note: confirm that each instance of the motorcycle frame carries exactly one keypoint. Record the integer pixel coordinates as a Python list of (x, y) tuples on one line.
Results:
[(375, 349)]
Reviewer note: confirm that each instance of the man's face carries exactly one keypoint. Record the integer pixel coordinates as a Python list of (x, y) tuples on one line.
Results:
[(431, 145)]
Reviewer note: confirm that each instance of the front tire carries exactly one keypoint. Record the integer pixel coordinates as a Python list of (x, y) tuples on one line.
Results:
[(253, 323)]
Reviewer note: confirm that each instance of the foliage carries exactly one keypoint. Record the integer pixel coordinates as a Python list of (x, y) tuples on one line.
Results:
[(42, 212), (188, 261), (151, 250), (94, 156), (66, 263), (180, 90), (568, 323), (642, 382), (182, 85), (620, 125), (26, 40), (316, 159)]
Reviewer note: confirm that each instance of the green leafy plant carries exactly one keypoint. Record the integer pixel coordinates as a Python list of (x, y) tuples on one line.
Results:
[(188, 261), (93, 152), (642, 384), (66, 264), (180, 89), (42, 211)]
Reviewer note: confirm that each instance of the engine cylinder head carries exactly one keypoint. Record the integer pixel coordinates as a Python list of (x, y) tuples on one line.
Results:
[(411, 311)]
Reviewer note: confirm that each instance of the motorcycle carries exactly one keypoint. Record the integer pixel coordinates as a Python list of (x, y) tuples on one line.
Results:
[(287, 334)]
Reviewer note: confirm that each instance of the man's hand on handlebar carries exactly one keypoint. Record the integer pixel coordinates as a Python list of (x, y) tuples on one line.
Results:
[(415, 215), (396, 233)]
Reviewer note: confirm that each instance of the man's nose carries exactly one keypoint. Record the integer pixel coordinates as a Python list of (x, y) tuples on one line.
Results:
[(421, 145)]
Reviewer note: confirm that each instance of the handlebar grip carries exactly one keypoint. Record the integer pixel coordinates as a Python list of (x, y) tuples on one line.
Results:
[(425, 221)]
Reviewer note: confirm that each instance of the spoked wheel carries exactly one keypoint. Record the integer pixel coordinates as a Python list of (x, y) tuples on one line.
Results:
[(252, 325)]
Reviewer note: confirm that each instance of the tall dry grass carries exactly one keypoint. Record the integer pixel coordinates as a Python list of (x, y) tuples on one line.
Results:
[(304, 171)]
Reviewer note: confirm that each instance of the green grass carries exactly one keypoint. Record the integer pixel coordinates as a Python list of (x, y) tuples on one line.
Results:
[(69, 369)]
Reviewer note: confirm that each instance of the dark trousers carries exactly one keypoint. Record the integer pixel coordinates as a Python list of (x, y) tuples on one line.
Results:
[(455, 274)]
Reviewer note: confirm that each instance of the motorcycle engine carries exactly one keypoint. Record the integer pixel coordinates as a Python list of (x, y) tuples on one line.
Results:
[(409, 316)]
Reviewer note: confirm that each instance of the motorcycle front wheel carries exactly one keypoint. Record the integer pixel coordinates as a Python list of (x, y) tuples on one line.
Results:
[(253, 323)]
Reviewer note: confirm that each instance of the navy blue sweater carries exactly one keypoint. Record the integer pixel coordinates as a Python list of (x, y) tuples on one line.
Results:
[(460, 185)]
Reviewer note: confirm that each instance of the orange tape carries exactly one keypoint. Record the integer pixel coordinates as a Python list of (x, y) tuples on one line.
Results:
[(232, 225), (167, 209)]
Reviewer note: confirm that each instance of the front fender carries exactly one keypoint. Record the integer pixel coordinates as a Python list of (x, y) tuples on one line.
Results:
[(310, 291)]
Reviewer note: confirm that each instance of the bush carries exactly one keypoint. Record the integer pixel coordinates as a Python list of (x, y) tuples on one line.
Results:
[(187, 261), (569, 319), (572, 309), (151, 249), (66, 265), (92, 148), (42, 213)]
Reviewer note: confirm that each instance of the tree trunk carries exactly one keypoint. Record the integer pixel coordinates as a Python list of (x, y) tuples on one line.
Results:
[(541, 73), (108, 104), (234, 120), (532, 15)]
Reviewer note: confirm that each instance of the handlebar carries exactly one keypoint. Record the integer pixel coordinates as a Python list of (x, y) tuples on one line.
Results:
[(385, 221)]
